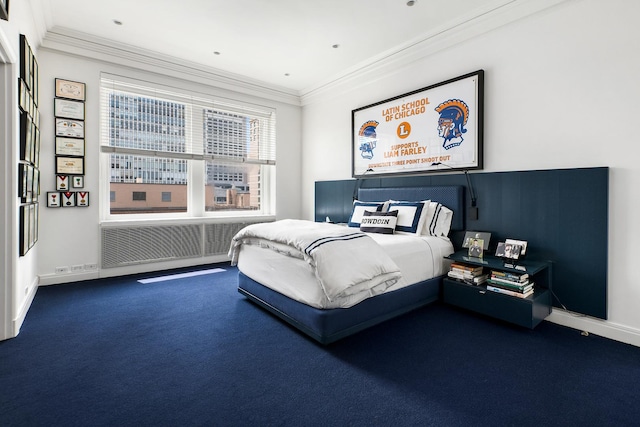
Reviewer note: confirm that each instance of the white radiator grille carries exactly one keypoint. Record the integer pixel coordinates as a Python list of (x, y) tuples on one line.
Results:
[(129, 245), (218, 237)]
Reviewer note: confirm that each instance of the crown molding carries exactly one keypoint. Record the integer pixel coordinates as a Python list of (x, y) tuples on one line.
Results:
[(474, 24), (80, 44)]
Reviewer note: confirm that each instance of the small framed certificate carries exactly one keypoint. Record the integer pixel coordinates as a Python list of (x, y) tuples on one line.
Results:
[(69, 165), (69, 146), (70, 90), (68, 127), (68, 109)]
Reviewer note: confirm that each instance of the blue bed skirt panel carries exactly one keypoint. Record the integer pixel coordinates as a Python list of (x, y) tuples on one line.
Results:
[(327, 326)]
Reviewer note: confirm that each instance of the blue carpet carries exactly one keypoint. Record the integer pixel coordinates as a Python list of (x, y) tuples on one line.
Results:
[(193, 351)]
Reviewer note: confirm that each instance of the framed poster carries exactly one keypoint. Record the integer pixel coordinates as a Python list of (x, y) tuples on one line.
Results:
[(70, 128), (69, 147), (68, 109), (70, 90), (69, 165), (428, 130)]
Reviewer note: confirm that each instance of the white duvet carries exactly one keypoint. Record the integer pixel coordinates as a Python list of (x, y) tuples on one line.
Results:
[(345, 261)]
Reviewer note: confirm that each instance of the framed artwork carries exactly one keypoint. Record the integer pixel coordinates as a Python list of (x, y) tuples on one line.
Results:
[(25, 60), (82, 198), (68, 109), (24, 96), (69, 165), (439, 127), (69, 147), (70, 128), (35, 185), (23, 170), (68, 199), (470, 235), (24, 229), (33, 225), (4, 9), (475, 247), (36, 146), (26, 138), (77, 181), (34, 79), (70, 90), (53, 199), (62, 183)]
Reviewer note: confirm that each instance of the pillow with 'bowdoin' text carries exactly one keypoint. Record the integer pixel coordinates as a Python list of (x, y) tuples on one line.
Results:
[(379, 222)]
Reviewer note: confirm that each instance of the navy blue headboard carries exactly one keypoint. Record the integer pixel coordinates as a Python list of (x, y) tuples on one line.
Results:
[(449, 196)]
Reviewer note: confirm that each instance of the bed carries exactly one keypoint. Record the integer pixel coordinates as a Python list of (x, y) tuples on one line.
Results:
[(288, 286)]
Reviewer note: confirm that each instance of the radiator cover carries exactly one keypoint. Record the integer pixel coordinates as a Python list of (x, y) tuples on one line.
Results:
[(131, 245)]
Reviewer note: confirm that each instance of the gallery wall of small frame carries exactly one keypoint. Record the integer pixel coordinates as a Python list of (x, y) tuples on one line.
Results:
[(69, 113), (29, 163)]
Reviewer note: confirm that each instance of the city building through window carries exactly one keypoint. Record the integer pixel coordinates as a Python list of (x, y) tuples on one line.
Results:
[(156, 140)]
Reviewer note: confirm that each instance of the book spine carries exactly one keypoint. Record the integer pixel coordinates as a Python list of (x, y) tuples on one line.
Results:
[(511, 287), (510, 276), (465, 267), (518, 285), (507, 292)]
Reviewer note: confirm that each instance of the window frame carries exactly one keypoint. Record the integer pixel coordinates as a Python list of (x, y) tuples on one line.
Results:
[(196, 162)]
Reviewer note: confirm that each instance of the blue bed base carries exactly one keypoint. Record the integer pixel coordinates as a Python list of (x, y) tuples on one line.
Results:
[(327, 326)]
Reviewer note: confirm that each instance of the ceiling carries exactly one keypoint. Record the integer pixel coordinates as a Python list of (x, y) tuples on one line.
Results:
[(293, 44)]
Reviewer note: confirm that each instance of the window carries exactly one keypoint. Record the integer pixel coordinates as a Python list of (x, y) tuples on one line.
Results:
[(140, 195), (157, 142)]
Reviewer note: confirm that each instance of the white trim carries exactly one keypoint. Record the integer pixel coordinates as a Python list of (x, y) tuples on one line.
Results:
[(595, 326), (474, 24), (84, 45), (8, 236)]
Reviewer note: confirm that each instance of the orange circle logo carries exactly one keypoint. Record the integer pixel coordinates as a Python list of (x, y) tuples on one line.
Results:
[(403, 130)]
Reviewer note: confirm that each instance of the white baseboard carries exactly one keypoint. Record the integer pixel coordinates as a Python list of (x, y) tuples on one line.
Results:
[(595, 326), (24, 309), (56, 279)]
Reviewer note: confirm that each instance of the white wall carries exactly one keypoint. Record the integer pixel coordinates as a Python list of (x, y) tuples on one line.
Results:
[(71, 236), (18, 279), (561, 91)]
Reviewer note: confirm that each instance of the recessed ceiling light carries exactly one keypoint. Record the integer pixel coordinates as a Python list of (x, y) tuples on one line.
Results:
[(117, 22), (286, 74), (216, 53), (411, 2), (335, 46)]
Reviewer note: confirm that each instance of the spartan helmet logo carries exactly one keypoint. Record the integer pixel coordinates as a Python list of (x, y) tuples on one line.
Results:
[(368, 139), (454, 114)]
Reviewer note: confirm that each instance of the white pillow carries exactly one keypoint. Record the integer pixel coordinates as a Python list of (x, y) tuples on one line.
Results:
[(411, 216), (379, 222), (438, 220), (358, 211)]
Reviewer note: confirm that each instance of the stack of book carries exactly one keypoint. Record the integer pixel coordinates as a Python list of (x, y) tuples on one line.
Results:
[(514, 284), (472, 274)]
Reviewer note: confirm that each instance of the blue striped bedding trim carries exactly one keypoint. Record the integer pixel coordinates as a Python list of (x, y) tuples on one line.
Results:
[(317, 243)]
